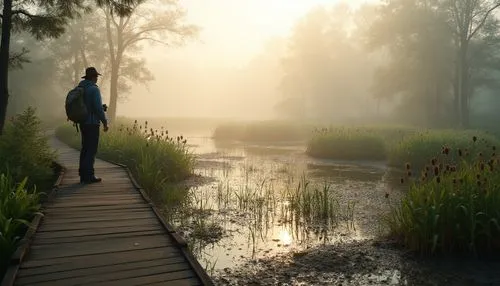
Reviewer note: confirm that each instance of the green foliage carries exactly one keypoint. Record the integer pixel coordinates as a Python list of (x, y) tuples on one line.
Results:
[(418, 148), (155, 158), (264, 131), (18, 205), (25, 151), (454, 206)]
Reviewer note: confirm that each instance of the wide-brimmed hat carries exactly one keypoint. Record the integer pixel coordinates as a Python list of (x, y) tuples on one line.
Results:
[(91, 72)]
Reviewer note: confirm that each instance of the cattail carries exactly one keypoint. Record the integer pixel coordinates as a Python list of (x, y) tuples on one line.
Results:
[(409, 173), (454, 181), (408, 166), (478, 176), (494, 148), (402, 180), (479, 183), (481, 166), (433, 162), (438, 179), (460, 152), (446, 151), (474, 138), (386, 195), (436, 171)]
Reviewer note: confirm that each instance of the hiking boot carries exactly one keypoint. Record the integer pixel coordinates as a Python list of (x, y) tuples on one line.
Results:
[(91, 180)]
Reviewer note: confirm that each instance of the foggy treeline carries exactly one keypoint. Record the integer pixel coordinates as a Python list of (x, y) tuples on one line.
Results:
[(432, 63)]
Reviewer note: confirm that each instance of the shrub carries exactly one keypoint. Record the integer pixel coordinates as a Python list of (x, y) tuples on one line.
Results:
[(420, 147), (18, 205), (347, 144), (155, 158), (25, 151), (454, 204)]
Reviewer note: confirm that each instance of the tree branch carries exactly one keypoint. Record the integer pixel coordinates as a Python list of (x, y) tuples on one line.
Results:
[(481, 24)]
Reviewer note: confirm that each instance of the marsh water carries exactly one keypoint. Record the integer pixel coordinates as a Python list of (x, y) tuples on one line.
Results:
[(239, 209)]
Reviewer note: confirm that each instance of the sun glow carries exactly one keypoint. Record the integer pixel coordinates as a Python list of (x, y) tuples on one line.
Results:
[(285, 237)]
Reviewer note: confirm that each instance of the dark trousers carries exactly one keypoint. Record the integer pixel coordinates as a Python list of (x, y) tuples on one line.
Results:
[(90, 142)]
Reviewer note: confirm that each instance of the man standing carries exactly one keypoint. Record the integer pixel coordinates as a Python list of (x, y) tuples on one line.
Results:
[(90, 127)]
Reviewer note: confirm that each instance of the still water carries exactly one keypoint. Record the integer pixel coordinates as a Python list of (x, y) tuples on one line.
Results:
[(242, 210)]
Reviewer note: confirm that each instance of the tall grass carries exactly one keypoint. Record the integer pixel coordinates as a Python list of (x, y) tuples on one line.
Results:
[(315, 206), (419, 147), (453, 205), (352, 143), (156, 159)]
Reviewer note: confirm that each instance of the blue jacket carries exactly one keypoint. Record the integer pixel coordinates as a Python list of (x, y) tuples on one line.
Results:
[(94, 103)]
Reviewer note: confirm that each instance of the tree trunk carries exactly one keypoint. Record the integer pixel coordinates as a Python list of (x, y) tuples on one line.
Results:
[(113, 92), (464, 85), (4, 61)]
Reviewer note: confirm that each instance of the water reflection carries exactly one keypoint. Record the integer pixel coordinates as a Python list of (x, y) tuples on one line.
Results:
[(259, 204)]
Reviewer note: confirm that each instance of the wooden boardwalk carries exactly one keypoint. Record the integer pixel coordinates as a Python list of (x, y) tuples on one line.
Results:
[(104, 234)]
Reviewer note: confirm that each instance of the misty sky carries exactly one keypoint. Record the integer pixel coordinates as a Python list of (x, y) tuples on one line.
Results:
[(233, 32)]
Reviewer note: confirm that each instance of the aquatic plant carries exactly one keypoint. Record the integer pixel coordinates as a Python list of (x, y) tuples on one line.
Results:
[(347, 144), (417, 148), (453, 204), (318, 206)]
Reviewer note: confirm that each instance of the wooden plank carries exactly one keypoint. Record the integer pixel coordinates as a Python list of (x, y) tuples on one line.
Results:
[(95, 204), (47, 227), (97, 197), (110, 278), (116, 217), (98, 247), (89, 214), (25, 278), (166, 278), (180, 282), (76, 239), (40, 266), (54, 209), (98, 231)]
